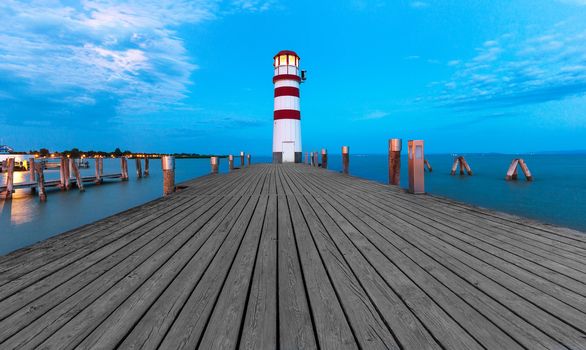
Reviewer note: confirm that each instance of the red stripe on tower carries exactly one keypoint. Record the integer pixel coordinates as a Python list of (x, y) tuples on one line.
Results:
[(286, 91), (287, 114)]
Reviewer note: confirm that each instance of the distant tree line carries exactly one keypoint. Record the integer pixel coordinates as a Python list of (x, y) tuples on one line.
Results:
[(77, 153)]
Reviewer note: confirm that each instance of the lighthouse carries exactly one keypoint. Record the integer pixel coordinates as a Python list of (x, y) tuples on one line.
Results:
[(287, 116)]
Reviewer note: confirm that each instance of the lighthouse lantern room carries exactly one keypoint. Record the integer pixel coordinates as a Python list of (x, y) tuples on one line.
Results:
[(287, 116)]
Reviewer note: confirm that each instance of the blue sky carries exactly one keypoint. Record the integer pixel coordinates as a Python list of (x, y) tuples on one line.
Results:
[(195, 76)]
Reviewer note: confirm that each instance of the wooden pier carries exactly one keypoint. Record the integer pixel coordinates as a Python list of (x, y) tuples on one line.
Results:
[(298, 257)]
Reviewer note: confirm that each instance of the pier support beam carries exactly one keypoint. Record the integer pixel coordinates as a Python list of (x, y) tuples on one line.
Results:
[(75, 171), (98, 170), (214, 163), (168, 163), (64, 173), (124, 168), (31, 169), (41, 182), (146, 167), (345, 159), (242, 159), (324, 158), (138, 167), (395, 146), (512, 172), (9, 178)]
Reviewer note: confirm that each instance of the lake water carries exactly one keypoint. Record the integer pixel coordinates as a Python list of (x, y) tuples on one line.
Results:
[(557, 195)]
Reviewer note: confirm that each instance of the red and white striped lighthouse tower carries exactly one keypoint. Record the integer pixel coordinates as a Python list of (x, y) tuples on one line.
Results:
[(287, 117)]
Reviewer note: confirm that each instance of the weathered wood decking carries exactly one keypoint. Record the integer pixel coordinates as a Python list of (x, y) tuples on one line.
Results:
[(297, 257)]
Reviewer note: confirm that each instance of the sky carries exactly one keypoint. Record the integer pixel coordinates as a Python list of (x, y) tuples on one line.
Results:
[(196, 75)]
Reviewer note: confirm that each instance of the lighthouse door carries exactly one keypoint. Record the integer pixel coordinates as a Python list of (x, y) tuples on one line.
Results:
[(289, 152)]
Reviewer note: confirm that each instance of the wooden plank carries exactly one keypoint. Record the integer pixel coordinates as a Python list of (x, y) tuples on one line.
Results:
[(259, 330)]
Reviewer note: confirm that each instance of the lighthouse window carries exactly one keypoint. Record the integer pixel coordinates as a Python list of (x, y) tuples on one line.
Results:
[(291, 60), (283, 60), (276, 61), (296, 61)]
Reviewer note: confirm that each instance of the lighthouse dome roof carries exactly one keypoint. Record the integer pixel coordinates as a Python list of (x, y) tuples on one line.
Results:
[(286, 52)]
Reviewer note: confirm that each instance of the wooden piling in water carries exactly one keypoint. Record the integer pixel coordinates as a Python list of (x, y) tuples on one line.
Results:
[(138, 167), (97, 171), (168, 164), (214, 163), (75, 170), (41, 182), (64, 173), (10, 178), (230, 162), (461, 162), (146, 167), (427, 165), (395, 146), (512, 172), (248, 159), (345, 159), (324, 158), (242, 159), (124, 168), (31, 169)]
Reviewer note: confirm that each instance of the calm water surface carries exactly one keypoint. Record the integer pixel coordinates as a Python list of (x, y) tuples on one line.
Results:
[(557, 195)]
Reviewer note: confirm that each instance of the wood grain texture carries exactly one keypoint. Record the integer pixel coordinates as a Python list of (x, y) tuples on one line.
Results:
[(285, 256)]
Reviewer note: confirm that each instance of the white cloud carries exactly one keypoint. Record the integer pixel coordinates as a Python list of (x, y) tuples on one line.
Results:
[(377, 114), (419, 4), (510, 72), (129, 50)]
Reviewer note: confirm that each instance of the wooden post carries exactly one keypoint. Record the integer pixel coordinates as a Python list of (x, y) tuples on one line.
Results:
[(146, 167), (41, 182), (395, 146), (168, 163), (214, 162), (61, 174), (307, 158), (31, 168), (416, 155), (66, 174), (248, 159), (460, 161), (526, 171), (428, 165), (138, 167), (231, 162), (512, 172), (76, 174), (466, 166), (242, 159), (315, 159), (345, 159), (101, 166), (124, 168), (310, 158), (98, 171), (10, 178), (324, 158)]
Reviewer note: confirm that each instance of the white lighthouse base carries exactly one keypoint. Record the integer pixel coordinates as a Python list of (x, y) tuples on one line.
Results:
[(287, 141)]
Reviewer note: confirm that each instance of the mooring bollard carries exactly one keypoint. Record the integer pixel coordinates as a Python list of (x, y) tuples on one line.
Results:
[(416, 171), (324, 158), (41, 182), (214, 163), (395, 146), (242, 159), (146, 167), (168, 163), (138, 167), (345, 159), (248, 159), (231, 162), (124, 168)]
